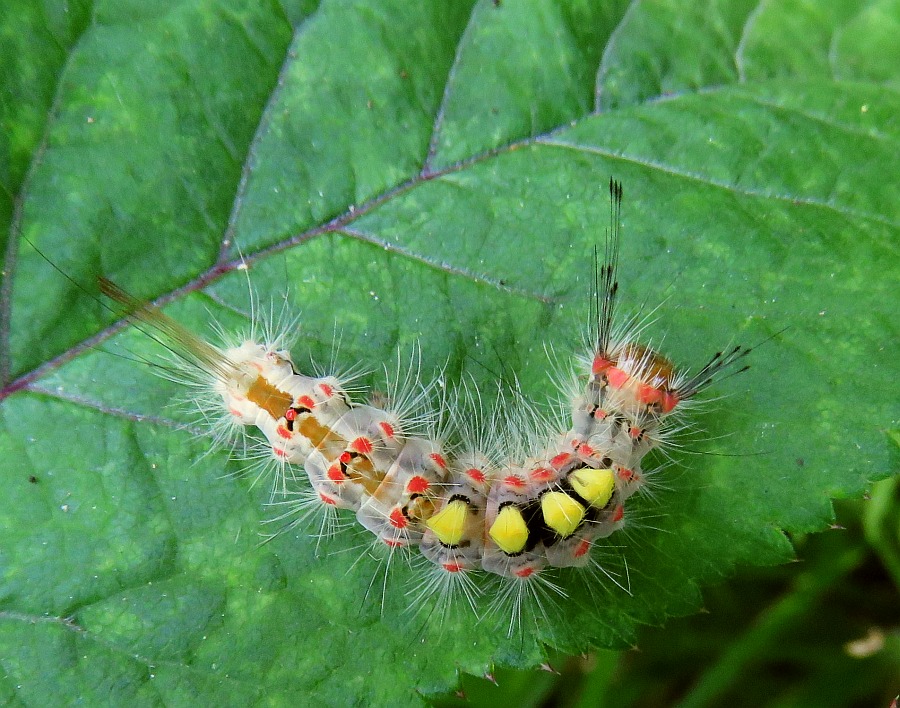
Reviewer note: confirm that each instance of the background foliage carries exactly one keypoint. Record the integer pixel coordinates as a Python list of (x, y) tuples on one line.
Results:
[(435, 171)]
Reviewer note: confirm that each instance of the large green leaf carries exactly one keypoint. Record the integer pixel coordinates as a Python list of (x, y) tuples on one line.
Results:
[(427, 171)]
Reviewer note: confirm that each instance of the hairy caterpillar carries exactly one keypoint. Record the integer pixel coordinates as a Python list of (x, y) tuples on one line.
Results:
[(489, 494), (502, 493)]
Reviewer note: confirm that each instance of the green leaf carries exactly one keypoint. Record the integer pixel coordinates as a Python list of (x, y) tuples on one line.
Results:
[(430, 172)]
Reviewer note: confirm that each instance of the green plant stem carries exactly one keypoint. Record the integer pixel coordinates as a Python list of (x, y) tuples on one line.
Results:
[(806, 592), (877, 526)]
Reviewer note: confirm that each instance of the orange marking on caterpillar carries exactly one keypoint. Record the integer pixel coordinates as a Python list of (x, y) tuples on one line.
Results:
[(525, 572), (283, 432), (417, 485), (619, 513), (272, 400), (279, 451), (335, 474), (453, 567), (387, 429), (648, 395), (582, 548), (542, 474), (362, 445), (476, 475), (625, 474), (600, 364), (306, 402), (397, 519), (616, 377), (669, 401), (327, 500), (514, 481), (438, 460), (326, 389), (560, 460), (585, 450)]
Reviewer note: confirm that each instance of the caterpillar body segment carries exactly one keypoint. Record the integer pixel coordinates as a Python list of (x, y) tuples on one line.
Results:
[(331, 483), (454, 534), (399, 508), (373, 434)]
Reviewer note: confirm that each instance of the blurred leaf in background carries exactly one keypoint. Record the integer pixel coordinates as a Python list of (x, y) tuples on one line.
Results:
[(434, 172)]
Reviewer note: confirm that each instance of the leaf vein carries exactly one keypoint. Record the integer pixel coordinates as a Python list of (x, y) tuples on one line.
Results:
[(15, 226), (603, 67), (748, 27), (259, 134), (704, 179), (819, 118), (442, 266), (442, 108)]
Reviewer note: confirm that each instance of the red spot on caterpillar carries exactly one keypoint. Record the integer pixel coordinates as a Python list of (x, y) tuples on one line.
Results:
[(625, 474), (648, 394), (397, 519), (476, 475), (525, 572), (335, 474), (327, 500), (600, 364), (542, 474), (393, 542), (306, 402), (583, 547), (452, 567), (669, 401), (363, 445), (619, 513), (438, 460), (585, 450), (514, 481), (417, 485), (560, 460), (235, 413), (345, 457), (635, 432), (290, 414), (600, 414), (326, 389), (279, 451), (283, 432), (387, 429), (616, 377)]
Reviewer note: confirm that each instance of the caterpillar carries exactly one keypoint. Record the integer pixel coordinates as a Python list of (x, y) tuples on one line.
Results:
[(503, 495)]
